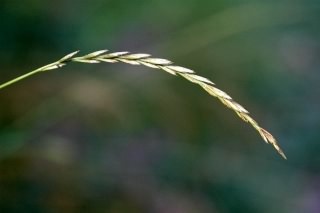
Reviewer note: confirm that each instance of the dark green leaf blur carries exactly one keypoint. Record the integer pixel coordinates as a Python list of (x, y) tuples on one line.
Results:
[(122, 138)]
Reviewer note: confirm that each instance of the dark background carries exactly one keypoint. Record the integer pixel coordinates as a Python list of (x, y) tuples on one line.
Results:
[(122, 138)]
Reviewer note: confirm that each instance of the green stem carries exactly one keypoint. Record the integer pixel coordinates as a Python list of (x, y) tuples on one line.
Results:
[(20, 78)]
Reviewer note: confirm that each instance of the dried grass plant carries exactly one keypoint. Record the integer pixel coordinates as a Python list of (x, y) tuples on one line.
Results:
[(165, 65)]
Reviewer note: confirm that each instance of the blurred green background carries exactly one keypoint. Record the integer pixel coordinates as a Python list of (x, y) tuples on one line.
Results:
[(121, 138)]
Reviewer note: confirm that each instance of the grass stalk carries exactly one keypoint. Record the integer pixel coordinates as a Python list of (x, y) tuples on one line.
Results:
[(165, 65)]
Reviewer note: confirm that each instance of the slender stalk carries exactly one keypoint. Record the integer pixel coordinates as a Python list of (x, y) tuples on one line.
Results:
[(165, 65), (19, 78), (51, 66)]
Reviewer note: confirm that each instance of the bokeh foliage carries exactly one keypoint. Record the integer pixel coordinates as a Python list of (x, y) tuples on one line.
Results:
[(119, 138)]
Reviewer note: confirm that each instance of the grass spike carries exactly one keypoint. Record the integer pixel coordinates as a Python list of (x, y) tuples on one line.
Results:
[(165, 65)]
